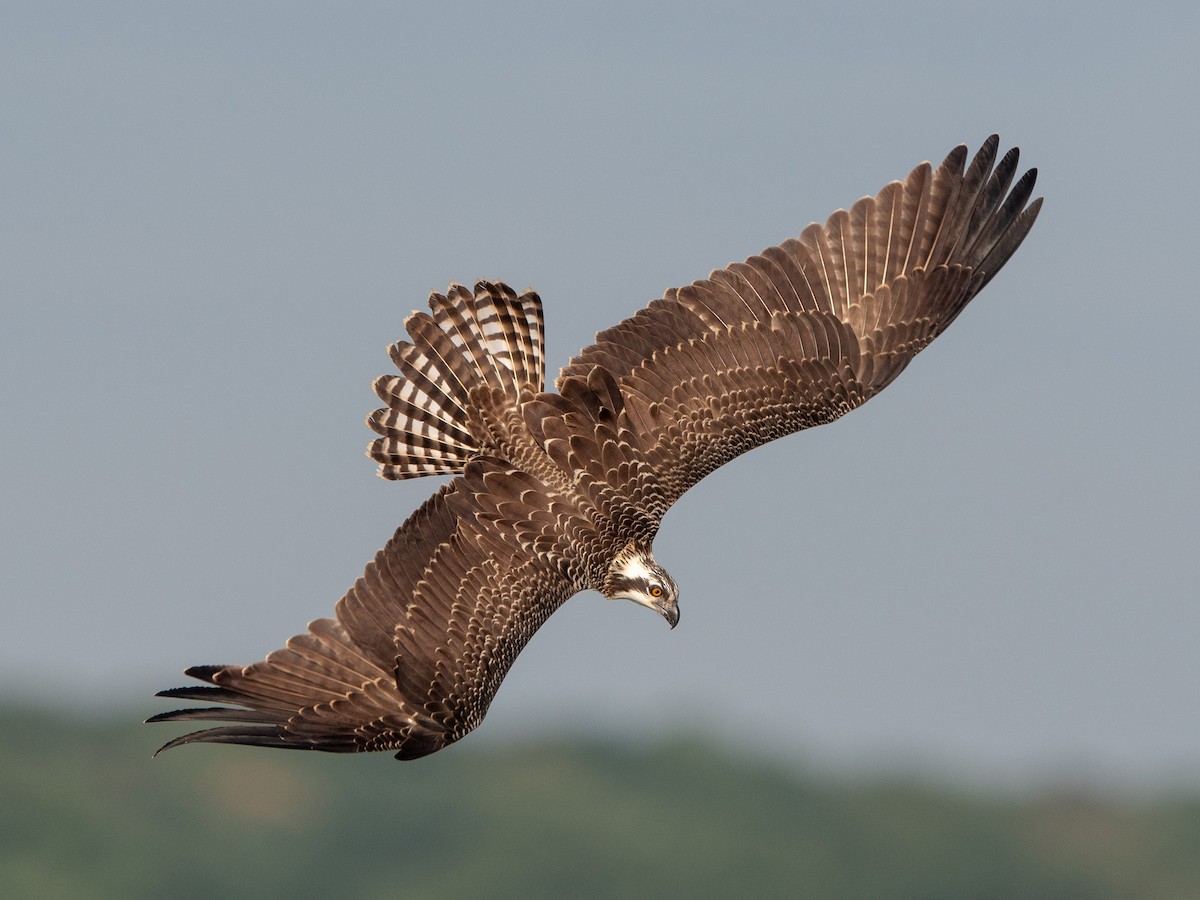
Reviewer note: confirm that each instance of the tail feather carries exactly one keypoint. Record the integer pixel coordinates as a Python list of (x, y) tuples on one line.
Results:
[(492, 338)]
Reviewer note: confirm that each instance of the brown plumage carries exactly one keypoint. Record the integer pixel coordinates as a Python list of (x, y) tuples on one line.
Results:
[(555, 493)]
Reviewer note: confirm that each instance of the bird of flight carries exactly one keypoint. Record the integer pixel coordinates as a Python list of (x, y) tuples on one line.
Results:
[(559, 492)]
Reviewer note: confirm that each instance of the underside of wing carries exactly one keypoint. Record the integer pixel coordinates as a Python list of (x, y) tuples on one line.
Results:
[(419, 645), (808, 330)]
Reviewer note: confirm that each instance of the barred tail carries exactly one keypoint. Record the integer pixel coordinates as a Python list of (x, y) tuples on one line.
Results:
[(491, 338)]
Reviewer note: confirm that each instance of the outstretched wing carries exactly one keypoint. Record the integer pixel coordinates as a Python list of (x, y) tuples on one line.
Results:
[(804, 332), (421, 642)]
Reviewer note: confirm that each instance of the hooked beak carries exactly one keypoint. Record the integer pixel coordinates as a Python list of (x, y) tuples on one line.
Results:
[(668, 609), (670, 612)]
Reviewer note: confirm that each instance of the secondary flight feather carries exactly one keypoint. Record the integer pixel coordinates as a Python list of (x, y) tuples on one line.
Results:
[(554, 493)]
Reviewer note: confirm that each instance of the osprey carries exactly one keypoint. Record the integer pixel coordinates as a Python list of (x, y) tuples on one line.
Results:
[(556, 493)]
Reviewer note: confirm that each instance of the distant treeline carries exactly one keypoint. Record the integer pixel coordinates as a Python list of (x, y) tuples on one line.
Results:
[(85, 813)]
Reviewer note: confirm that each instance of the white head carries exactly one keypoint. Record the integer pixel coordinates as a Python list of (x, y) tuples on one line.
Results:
[(634, 575)]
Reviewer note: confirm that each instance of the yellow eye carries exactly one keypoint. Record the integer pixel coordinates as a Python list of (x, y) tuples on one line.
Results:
[(655, 591)]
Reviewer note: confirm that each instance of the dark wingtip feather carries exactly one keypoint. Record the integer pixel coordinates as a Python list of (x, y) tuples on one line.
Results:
[(217, 714), (196, 692), (204, 673), (188, 692), (956, 158), (1008, 242), (233, 734)]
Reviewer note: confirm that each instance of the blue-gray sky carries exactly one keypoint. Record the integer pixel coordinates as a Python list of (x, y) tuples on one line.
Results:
[(213, 218)]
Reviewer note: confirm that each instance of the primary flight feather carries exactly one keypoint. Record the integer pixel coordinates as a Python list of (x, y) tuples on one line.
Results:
[(556, 493)]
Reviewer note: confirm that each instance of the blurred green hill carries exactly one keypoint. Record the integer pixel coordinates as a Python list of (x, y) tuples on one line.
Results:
[(85, 813)]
